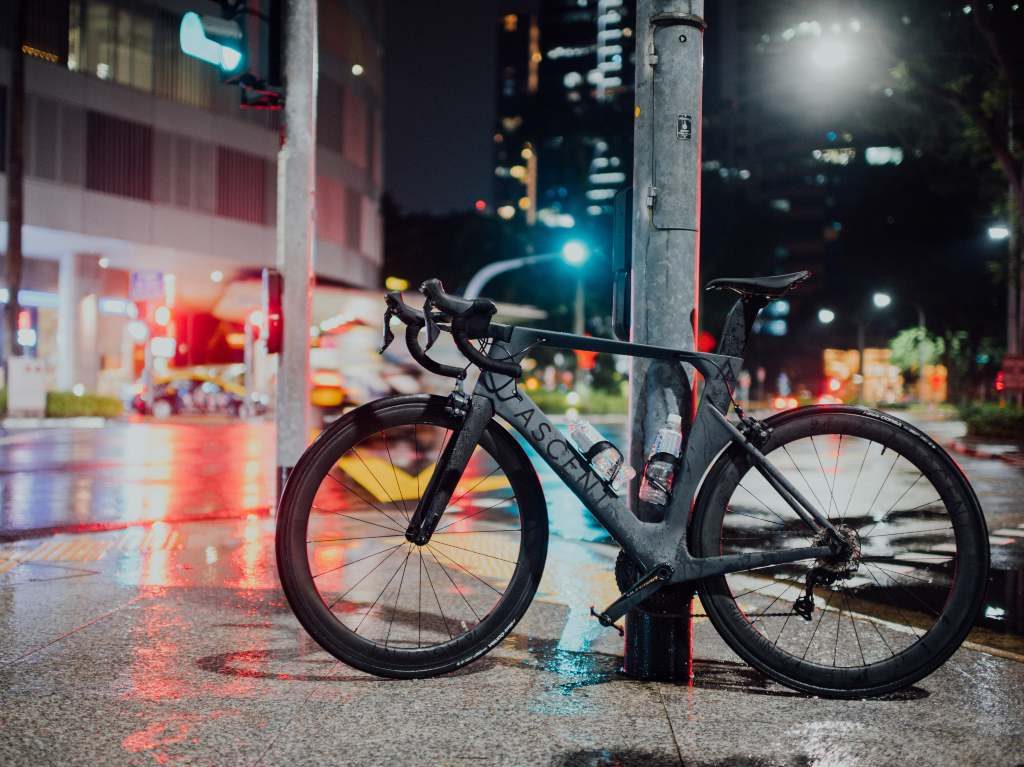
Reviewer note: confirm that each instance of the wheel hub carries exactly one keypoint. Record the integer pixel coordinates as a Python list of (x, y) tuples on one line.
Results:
[(844, 564)]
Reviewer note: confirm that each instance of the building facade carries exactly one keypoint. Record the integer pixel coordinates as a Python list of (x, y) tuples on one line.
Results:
[(142, 171)]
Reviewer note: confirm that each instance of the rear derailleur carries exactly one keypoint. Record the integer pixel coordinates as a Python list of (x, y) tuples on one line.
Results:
[(827, 571), (804, 605)]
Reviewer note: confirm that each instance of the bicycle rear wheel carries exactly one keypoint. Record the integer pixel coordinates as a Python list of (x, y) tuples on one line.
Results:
[(370, 597), (885, 616)]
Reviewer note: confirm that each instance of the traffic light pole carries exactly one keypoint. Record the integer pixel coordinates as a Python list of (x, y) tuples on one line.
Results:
[(296, 233), (665, 284)]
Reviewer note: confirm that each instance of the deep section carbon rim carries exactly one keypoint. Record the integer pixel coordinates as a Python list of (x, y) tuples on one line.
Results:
[(392, 593)]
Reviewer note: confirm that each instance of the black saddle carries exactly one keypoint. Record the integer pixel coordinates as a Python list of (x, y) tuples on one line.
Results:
[(768, 287)]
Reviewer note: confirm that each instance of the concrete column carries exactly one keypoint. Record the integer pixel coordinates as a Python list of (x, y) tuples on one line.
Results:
[(77, 321)]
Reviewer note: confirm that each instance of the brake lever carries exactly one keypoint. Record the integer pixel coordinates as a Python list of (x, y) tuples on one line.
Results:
[(433, 331), (388, 336)]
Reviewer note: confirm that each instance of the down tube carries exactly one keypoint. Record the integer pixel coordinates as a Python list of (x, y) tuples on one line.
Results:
[(611, 511)]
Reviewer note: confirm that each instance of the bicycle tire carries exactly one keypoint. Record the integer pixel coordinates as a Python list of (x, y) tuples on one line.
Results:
[(878, 605), (309, 605)]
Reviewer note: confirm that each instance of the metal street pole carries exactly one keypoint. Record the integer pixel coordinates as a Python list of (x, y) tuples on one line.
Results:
[(579, 318), (296, 231), (15, 180), (665, 284), (922, 355)]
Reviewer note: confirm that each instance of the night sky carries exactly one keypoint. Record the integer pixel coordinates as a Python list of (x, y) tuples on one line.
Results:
[(440, 82)]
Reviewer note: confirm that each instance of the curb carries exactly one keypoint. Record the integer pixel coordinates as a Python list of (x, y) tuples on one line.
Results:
[(1012, 457), (82, 422)]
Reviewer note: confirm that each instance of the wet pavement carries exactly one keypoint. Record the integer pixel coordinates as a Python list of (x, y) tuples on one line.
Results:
[(170, 642), (173, 645)]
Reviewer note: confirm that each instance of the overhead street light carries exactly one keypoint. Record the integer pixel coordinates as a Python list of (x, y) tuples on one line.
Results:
[(881, 300), (575, 253), (826, 316), (998, 232)]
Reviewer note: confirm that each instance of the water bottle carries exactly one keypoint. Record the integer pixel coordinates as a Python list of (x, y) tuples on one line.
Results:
[(607, 462), (660, 470)]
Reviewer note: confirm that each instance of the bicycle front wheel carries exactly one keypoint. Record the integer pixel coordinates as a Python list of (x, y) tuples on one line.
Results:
[(370, 597), (878, 619)]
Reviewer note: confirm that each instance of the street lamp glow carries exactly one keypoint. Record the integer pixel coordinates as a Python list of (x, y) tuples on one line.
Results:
[(830, 54), (216, 276), (826, 316), (998, 232), (881, 300), (575, 253)]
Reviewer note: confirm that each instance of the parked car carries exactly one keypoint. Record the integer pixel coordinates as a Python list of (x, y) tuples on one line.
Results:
[(194, 393)]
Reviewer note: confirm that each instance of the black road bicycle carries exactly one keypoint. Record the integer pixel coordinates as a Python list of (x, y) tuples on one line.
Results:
[(837, 549)]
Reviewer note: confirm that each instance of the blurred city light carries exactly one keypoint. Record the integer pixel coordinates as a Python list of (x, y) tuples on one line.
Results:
[(881, 300), (357, 70), (162, 315), (396, 283), (575, 252), (826, 316), (998, 232), (216, 276)]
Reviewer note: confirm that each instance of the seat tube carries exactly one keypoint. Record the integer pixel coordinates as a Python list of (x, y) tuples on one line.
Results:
[(449, 470)]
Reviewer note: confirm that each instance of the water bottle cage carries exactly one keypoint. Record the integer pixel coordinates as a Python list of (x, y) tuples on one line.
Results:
[(656, 458), (599, 447)]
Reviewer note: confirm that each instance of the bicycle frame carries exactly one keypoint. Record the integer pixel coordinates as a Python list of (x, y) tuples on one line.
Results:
[(649, 544)]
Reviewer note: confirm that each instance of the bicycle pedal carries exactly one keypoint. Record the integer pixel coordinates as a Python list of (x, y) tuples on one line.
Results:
[(606, 621)]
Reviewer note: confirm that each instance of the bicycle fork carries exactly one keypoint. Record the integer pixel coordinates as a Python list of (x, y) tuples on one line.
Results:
[(474, 414)]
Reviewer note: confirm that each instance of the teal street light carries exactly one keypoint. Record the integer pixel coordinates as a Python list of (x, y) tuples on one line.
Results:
[(575, 253), (881, 300), (213, 40)]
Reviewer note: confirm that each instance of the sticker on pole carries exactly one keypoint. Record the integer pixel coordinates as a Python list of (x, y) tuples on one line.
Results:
[(684, 128)]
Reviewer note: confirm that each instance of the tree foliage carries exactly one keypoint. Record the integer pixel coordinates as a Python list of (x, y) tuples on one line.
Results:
[(911, 345)]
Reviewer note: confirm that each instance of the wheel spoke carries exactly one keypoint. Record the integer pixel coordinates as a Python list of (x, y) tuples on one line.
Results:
[(365, 500), (394, 610), (475, 513), (357, 519), (471, 551), (355, 561), (398, 485), (853, 490), (375, 601), (435, 553), (445, 571), (367, 575)]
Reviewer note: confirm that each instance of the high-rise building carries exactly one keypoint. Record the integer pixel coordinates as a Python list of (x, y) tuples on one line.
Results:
[(142, 171), (563, 140)]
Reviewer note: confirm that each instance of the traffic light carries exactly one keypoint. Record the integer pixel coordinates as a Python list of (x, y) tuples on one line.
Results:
[(244, 43), (216, 41), (273, 293)]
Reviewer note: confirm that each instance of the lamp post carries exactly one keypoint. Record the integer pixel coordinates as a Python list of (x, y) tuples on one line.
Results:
[(879, 301), (574, 253)]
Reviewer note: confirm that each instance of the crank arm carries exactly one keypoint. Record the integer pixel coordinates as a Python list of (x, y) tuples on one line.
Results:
[(649, 582)]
